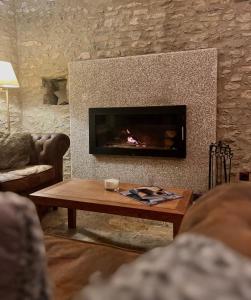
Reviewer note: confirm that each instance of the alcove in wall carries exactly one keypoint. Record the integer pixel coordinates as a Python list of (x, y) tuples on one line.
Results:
[(55, 91)]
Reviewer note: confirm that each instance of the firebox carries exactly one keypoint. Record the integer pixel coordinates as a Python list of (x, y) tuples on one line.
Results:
[(145, 131)]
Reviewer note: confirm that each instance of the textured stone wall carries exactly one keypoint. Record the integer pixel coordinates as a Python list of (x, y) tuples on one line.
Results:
[(51, 33), (8, 52)]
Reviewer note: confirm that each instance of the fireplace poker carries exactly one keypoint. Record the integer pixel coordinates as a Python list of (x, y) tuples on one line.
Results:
[(210, 168)]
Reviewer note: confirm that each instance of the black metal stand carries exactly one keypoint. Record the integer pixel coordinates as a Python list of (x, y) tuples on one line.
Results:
[(220, 161)]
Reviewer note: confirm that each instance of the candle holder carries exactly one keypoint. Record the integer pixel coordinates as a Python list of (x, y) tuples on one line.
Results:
[(111, 184)]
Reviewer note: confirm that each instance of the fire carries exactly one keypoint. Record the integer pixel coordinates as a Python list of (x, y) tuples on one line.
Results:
[(131, 139)]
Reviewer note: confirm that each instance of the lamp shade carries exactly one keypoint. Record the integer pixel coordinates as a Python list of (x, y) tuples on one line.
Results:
[(8, 77)]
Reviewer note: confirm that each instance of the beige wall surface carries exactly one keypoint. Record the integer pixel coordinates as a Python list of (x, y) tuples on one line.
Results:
[(8, 44), (188, 78), (8, 52)]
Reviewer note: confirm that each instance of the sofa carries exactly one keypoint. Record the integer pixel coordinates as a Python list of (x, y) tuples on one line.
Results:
[(216, 228), (29, 162)]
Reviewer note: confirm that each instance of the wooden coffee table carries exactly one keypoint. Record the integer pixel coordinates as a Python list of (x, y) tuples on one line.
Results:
[(90, 195)]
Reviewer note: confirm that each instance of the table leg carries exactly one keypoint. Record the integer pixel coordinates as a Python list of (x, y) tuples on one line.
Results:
[(71, 218), (176, 227), (41, 211)]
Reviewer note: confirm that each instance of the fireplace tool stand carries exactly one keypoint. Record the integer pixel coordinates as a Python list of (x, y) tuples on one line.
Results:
[(220, 161)]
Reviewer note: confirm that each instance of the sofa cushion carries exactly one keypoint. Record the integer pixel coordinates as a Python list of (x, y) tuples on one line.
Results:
[(71, 263), (15, 150), (22, 254), (26, 178)]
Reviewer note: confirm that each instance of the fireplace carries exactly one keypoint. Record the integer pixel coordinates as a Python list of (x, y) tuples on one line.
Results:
[(145, 131)]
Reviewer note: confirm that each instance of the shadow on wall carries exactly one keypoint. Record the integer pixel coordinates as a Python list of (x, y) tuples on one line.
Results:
[(55, 91)]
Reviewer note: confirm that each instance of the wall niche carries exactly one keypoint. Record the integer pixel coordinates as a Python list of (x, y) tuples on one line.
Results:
[(55, 91)]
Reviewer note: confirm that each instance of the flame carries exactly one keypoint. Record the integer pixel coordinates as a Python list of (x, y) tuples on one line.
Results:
[(130, 139)]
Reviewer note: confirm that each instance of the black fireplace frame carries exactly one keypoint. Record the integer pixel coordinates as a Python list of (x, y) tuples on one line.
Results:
[(179, 110)]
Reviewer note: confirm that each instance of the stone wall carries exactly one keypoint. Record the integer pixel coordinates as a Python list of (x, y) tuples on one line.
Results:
[(51, 33), (8, 52)]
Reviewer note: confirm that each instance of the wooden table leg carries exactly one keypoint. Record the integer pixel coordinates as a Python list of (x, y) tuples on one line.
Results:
[(41, 211), (176, 226), (72, 218)]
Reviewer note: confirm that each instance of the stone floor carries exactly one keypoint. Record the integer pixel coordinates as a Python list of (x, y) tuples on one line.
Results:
[(121, 231)]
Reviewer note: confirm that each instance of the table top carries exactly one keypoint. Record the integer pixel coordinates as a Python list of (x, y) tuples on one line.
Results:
[(78, 193)]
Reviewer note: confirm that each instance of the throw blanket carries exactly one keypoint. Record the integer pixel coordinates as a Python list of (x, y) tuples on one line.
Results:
[(15, 150), (194, 267), (22, 253)]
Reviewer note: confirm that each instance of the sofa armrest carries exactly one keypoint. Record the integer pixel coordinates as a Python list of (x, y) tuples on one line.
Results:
[(49, 149), (224, 214)]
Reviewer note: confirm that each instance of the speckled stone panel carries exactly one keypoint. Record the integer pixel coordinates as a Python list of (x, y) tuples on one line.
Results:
[(188, 77)]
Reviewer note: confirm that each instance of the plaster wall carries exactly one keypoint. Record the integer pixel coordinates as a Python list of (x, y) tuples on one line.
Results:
[(188, 78)]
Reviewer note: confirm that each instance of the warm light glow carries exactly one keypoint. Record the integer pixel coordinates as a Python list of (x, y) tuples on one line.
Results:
[(8, 77)]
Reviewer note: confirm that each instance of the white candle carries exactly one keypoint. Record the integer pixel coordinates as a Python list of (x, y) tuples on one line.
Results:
[(111, 184)]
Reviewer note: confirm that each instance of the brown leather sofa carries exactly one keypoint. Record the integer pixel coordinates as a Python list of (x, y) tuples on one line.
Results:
[(45, 166), (223, 214), (71, 263)]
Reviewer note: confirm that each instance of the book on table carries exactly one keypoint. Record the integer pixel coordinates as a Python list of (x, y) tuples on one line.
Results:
[(150, 195)]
